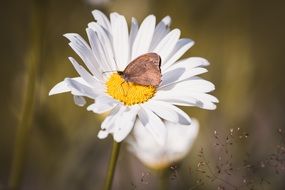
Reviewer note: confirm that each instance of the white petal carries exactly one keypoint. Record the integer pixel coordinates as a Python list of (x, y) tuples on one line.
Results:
[(80, 89), (160, 31), (101, 19), (195, 84), (99, 50), (120, 40), (180, 48), (119, 123), (153, 124), (78, 44), (207, 100), (62, 87), (175, 98), (187, 92), (166, 45), (189, 63), (102, 134), (182, 70), (180, 74), (102, 104), (86, 75), (105, 40), (125, 123), (144, 36), (187, 98), (168, 112), (133, 32), (79, 100), (109, 121)]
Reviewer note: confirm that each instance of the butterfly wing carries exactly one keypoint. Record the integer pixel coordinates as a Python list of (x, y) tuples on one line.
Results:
[(144, 70)]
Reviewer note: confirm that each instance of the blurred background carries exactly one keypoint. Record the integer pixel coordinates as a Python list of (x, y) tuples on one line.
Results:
[(242, 141)]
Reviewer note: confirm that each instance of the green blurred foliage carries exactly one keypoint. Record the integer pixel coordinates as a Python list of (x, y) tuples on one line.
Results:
[(243, 40)]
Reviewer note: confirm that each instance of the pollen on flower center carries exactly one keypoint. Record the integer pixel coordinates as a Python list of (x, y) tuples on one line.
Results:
[(127, 92)]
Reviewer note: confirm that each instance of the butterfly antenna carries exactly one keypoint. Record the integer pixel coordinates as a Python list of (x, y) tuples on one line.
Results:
[(115, 63), (108, 71)]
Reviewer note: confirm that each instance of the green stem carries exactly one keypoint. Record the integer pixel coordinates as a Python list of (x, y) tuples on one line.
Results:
[(163, 179), (32, 59), (112, 165)]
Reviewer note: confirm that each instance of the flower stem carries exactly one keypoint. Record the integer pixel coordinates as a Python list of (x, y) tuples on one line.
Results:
[(112, 165), (163, 179)]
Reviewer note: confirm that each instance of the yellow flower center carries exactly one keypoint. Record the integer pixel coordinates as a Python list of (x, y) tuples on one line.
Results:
[(128, 93)]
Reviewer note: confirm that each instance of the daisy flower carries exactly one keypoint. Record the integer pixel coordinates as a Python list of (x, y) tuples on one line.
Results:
[(112, 47), (179, 141)]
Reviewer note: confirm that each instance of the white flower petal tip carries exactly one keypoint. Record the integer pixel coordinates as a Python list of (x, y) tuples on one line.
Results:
[(59, 88), (195, 62), (79, 100), (70, 36), (102, 134), (166, 20), (204, 62), (111, 46), (99, 109), (101, 19)]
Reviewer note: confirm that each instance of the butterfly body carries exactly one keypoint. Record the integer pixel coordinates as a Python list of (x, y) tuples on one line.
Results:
[(144, 70)]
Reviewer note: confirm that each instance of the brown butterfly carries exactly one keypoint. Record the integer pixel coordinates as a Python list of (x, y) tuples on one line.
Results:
[(144, 70)]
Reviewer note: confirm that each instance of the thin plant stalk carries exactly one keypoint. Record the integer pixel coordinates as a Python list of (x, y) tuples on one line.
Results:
[(112, 165), (32, 59), (163, 179)]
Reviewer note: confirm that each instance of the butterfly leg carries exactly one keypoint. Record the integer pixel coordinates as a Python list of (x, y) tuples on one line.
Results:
[(124, 92)]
